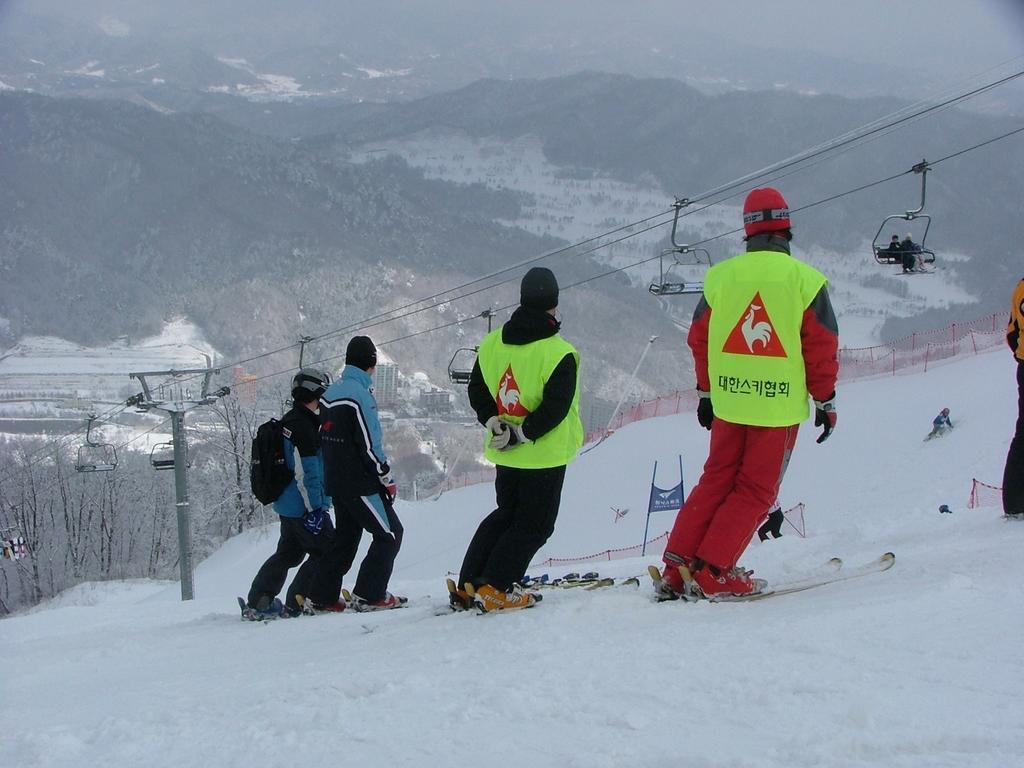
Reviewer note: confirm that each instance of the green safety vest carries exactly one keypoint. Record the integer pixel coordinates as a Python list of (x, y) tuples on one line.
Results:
[(755, 356), (515, 375)]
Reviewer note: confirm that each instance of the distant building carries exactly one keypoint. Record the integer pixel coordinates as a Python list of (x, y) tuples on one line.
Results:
[(76, 404), (243, 385), (385, 384), (436, 401)]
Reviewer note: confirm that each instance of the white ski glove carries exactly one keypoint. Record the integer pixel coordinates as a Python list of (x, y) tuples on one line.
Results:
[(513, 436), (500, 433)]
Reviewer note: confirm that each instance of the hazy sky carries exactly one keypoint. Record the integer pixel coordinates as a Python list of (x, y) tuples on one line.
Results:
[(906, 41), (949, 35)]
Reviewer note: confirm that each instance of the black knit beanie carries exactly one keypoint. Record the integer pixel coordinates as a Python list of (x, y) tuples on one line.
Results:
[(361, 353), (539, 289)]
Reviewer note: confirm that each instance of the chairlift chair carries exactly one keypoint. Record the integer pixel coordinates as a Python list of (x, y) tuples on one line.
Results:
[(95, 456), (460, 367), (665, 285), (162, 456), (881, 251)]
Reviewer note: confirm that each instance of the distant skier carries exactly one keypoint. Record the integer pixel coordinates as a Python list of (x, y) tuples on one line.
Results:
[(773, 525), (1013, 473), (764, 339), (303, 508), (940, 424), (525, 389), (358, 477)]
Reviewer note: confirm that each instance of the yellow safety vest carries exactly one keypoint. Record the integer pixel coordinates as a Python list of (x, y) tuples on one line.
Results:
[(755, 355), (1017, 320), (515, 375)]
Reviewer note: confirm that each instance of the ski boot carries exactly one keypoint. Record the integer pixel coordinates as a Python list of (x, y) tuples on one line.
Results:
[(386, 603), (264, 610), (489, 598), (710, 581)]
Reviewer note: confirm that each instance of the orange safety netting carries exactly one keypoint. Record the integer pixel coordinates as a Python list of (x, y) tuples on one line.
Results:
[(984, 495), (608, 554)]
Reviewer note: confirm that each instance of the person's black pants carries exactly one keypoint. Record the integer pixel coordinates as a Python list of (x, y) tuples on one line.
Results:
[(294, 544), (509, 537), (375, 514), (1013, 474), (772, 525)]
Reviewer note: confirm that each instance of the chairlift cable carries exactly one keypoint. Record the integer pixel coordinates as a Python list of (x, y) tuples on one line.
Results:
[(819, 150), (607, 273), (857, 134), (977, 146), (569, 286), (850, 140), (857, 138), (382, 317), (849, 137), (61, 441)]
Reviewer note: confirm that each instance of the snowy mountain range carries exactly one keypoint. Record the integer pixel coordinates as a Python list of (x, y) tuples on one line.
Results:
[(403, 49), (169, 214)]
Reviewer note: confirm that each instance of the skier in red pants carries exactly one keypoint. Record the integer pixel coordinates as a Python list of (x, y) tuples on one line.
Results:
[(764, 339)]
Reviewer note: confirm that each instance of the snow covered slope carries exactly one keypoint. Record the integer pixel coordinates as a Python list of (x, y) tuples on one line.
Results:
[(915, 667)]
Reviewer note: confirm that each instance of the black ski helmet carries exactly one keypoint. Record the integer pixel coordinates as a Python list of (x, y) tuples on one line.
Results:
[(309, 383)]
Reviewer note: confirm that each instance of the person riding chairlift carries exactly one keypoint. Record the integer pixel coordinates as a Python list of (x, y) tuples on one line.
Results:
[(911, 253)]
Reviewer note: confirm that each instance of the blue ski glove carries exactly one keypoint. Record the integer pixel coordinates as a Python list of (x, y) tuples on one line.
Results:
[(313, 521), (825, 417)]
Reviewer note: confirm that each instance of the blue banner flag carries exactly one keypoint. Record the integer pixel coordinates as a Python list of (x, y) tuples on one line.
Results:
[(663, 500)]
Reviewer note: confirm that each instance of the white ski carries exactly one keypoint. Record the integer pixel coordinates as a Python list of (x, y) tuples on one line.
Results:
[(883, 563)]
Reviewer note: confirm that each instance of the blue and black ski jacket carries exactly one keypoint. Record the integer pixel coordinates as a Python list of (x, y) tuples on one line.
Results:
[(302, 454), (354, 458)]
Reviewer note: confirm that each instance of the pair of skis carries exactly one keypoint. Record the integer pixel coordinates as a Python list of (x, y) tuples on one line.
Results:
[(277, 611), (833, 571), (589, 581)]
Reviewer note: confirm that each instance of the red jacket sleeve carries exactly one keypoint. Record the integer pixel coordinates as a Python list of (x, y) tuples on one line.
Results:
[(819, 337), (697, 339)]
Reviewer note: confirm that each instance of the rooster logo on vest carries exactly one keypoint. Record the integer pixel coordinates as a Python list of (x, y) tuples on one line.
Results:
[(508, 396), (755, 334)]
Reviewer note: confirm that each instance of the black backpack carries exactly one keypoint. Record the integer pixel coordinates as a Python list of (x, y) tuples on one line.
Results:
[(268, 472)]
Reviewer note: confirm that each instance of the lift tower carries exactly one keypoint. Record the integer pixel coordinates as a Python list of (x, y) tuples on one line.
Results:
[(181, 401)]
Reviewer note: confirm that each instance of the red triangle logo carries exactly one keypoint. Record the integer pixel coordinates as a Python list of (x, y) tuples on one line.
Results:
[(755, 334), (508, 396)]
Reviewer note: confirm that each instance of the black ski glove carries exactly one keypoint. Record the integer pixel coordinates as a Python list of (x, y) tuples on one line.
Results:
[(705, 410), (825, 416)]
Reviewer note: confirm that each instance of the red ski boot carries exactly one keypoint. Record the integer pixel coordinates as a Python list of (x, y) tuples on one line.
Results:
[(715, 582)]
